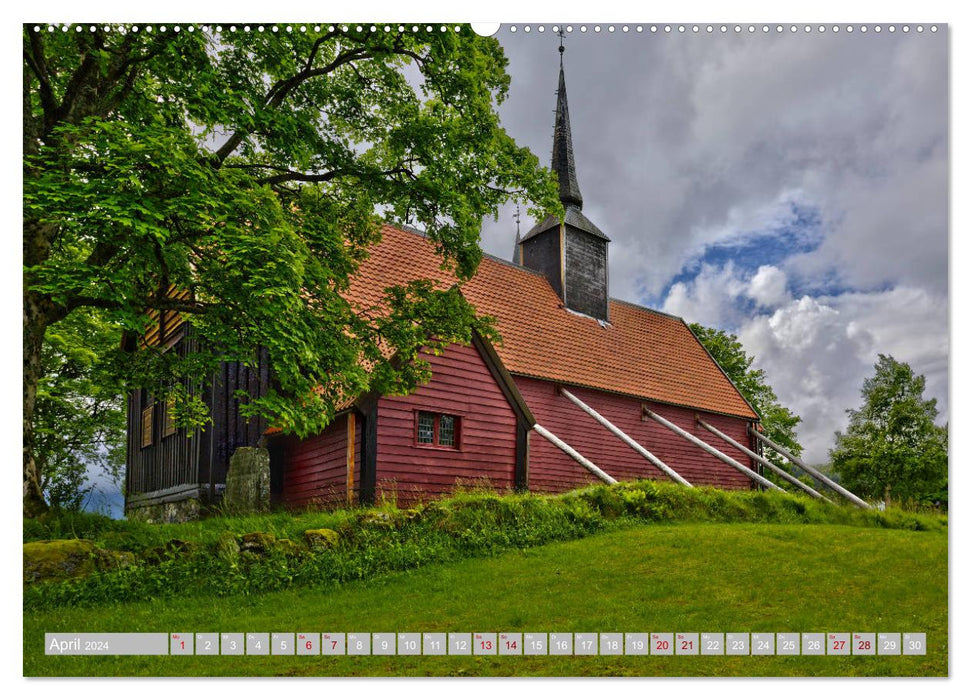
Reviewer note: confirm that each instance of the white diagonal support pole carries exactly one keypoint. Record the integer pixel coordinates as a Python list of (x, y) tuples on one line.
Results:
[(711, 450), (853, 498), (762, 460), (583, 461), (626, 438)]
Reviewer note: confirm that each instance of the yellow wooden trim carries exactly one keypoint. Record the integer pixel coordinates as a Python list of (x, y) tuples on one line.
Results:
[(148, 418), (351, 425)]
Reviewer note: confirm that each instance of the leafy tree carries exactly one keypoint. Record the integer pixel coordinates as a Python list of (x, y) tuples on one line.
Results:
[(246, 170), (80, 413), (892, 448), (778, 422)]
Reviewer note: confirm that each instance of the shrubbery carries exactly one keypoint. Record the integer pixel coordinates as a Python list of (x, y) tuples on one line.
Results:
[(208, 560)]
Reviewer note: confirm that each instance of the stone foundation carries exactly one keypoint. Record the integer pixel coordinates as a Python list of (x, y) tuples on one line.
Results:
[(172, 512)]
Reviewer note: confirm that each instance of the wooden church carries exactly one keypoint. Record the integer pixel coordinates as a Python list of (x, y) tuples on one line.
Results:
[(582, 388)]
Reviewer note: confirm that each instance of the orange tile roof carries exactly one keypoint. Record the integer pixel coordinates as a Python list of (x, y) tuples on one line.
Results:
[(641, 353)]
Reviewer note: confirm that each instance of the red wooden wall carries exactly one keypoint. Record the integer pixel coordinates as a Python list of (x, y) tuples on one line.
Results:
[(461, 385), (315, 469), (315, 472), (551, 471)]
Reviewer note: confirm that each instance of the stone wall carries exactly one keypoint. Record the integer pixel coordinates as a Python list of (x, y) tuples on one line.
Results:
[(172, 512)]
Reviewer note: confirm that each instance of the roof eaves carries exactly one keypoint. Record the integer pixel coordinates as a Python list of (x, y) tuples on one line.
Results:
[(551, 221)]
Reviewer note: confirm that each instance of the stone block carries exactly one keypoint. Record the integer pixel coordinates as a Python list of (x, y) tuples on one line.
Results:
[(323, 538), (248, 481), (63, 559)]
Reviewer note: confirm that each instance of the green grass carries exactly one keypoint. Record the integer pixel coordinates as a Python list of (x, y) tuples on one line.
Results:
[(663, 577), (378, 541), (646, 500)]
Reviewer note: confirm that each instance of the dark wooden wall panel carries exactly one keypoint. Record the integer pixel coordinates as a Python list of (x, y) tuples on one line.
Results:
[(195, 457), (551, 470), (168, 461), (315, 469), (230, 428), (542, 253), (586, 273), (461, 385)]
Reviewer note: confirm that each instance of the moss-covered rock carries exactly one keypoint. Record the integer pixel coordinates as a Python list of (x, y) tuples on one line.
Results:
[(376, 519), (58, 559), (227, 547), (322, 538), (412, 515), (107, 559), (288, 548), (64, 559), (256, 542)]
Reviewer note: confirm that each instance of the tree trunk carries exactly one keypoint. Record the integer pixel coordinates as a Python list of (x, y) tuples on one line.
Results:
[(35, 326), (886, 496)]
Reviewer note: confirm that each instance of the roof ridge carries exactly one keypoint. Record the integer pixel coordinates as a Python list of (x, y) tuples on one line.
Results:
[(485, 256), (508, 263), (641, 307), (405, 228)]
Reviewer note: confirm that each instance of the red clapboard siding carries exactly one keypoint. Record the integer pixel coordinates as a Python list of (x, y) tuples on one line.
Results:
[(550, 470), (461, 385), (315, 469)]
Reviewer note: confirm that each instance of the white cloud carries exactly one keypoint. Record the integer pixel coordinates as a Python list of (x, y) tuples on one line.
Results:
[(710, 298), (816, 353), (769, 286)]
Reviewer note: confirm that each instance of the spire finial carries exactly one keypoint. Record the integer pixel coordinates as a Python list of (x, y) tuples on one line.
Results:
[(563, 164)]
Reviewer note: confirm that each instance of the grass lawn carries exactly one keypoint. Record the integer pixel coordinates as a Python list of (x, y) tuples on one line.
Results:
[(653, 578)]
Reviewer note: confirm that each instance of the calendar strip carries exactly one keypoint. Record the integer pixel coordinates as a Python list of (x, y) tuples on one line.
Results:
[(487, 644)]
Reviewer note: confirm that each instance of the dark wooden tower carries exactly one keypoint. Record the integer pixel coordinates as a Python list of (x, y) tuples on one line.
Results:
[(572, 252)]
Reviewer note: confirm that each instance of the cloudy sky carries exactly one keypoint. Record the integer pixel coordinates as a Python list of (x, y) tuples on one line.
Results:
[(789, 188)]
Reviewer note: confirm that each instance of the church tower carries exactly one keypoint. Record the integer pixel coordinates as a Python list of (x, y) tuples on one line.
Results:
[(571, 253)]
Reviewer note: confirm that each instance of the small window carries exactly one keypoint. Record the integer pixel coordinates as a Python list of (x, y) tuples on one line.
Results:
[(446, 431), (168, 425), (426, 428), (148, 418), (437, 430)]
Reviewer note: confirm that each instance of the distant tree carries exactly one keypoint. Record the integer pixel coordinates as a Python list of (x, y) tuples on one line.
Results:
[(892, 448), (778, 422), (80, 415), (250, 171)]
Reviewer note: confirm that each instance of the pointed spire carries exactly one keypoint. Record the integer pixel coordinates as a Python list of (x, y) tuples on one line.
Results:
[(517, 252), (563, 164)]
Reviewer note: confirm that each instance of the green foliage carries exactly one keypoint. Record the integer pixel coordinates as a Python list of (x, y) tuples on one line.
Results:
[(892, 449), (80, 415), (778, 421), (376, 541), (250, 171)]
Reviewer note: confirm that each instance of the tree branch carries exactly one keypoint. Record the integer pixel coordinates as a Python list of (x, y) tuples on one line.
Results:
[(79, 300), (38, 66), (294, 176), (274, 98)]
